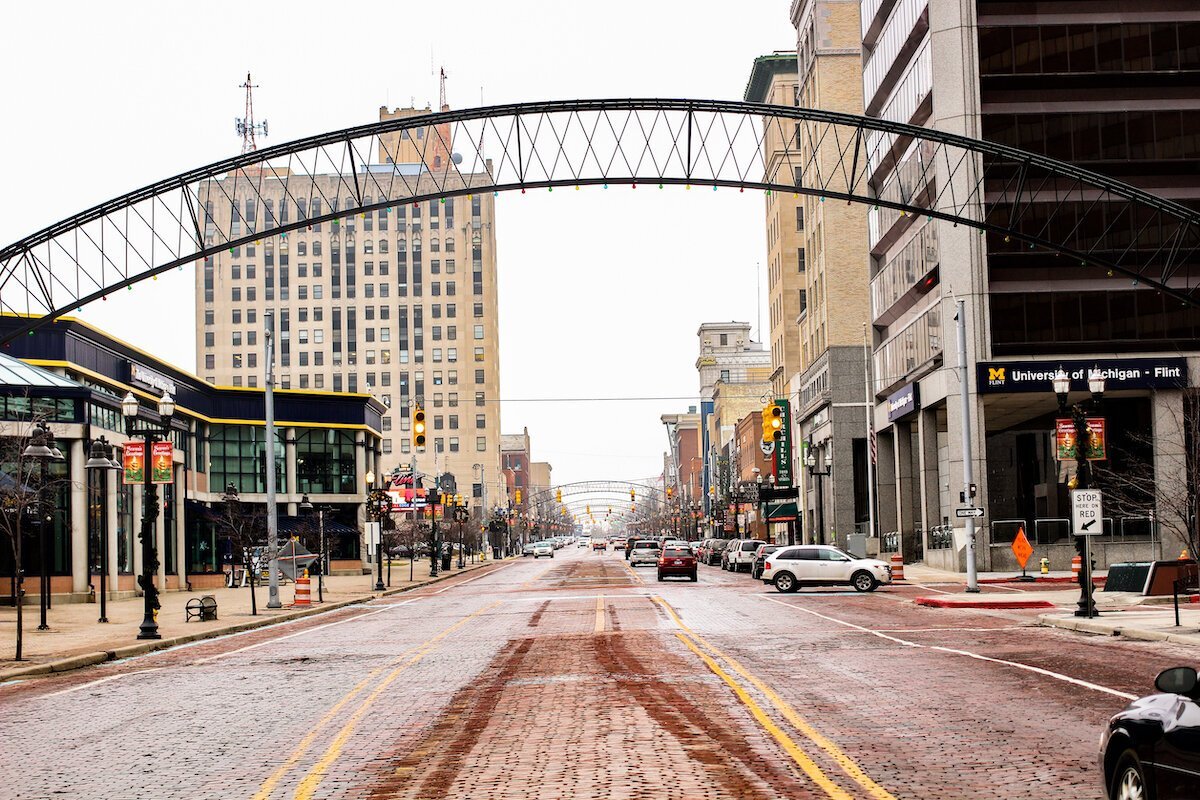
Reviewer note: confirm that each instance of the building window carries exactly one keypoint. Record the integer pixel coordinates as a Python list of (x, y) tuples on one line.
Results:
[(237, 454), (724, 376), (325, 462), (478, 332), (481, 444)]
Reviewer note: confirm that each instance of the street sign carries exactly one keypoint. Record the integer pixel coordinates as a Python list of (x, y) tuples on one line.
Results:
[(1087, 512), (968, 512), (1021, 548)]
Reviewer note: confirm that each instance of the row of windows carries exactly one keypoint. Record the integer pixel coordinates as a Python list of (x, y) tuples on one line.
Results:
[(1124, 320), (439, 445), (1116, 136), (1059, 49), (350, 382)]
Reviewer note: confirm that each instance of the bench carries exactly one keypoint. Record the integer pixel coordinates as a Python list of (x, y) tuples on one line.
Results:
[(201, 608)]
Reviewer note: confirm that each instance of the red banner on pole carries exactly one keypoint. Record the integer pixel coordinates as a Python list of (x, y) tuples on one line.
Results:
[(135, 462), (162, 456)]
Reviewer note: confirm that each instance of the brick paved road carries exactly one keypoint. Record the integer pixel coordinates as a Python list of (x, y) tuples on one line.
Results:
[(577, 677)]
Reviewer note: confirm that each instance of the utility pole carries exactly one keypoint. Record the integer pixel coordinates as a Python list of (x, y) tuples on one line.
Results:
[(269, 456), (960, 317)]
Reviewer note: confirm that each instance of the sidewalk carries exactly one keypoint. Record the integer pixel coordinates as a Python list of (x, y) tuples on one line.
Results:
[(75, 638), (1006, 590), (1148, 623)]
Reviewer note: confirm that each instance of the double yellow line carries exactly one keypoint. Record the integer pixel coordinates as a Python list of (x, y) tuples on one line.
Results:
[(710, 655), (394, 668)]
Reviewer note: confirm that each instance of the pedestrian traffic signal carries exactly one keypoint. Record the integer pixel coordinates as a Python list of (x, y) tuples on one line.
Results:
[(418, 428), (772, 423)]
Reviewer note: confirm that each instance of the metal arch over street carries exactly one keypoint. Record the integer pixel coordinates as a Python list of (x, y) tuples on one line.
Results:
[(579, 490), (1035, 202)]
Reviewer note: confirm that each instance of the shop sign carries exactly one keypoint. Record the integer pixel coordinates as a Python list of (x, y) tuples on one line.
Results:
[(783, 447), (135, 462), (148, 378), (1119, 373), (903, 402), (1064, 439), (161, 460)]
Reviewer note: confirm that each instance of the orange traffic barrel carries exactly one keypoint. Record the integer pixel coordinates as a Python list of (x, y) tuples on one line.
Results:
[(1076, 566), (897, 567), (303, 596)]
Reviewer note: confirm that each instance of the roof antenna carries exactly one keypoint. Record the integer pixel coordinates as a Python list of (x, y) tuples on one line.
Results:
[(245, 125)]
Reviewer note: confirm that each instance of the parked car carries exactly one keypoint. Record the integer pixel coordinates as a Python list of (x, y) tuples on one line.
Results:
[(677, 562), (712, 553), (527, 550), (645, 551), (543, 548), (760, 559), (727, 551), (742, 556), (1152, 748), (823, 565)]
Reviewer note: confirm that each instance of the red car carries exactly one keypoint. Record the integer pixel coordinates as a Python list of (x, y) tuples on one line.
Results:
[(677, 562)]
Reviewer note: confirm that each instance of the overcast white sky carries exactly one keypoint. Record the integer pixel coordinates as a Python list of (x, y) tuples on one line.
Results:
[(601, 292)]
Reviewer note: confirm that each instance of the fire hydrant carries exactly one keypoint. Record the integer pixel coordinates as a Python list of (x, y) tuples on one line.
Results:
[(1045, 564)]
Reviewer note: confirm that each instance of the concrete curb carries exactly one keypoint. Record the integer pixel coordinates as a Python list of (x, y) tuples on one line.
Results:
[(129, 651), (1111, 629), (941, 602)]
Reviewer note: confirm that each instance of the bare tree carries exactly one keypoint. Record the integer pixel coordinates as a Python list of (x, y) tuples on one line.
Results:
[(24, 504), (245, 526), (1129, 478)]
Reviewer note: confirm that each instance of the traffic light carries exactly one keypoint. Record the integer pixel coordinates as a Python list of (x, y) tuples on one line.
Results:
[(518, 497), (772, 423), (418, 428), (633, 495), (670, 491), (558, 495)]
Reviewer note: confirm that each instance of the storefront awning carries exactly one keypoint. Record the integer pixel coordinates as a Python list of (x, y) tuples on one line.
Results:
[(781, 512)]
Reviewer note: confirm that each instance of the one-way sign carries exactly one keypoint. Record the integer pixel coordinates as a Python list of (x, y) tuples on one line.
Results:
[(968, 512)]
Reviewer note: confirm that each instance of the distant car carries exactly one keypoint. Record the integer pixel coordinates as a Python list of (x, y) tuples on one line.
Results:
[(677, 562), (543, 548), (742, 556), (760, 559), (599, 545), (712, 553), (582, 543), (527, 550), (644, 552), (1152, 748), (789, 568)]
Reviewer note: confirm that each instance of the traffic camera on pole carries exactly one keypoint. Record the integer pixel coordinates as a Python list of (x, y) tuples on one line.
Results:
[(418, 429)]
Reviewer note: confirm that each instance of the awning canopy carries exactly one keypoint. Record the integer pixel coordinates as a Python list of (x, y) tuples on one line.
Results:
[(781, 512)]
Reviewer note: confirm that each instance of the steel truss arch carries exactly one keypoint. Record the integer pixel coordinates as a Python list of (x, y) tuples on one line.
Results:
[(579, 491), (1035, 202)]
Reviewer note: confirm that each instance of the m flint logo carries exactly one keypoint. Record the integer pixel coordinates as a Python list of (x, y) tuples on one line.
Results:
[(996, 376)]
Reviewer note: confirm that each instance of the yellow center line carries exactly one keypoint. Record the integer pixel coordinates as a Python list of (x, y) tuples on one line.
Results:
[(313, 779), (599, 613), (847, 764), (790, 747), (633, 571)]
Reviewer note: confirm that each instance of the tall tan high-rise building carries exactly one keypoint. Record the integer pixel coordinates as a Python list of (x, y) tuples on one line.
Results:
[(829, 395), (399, 302), (773, 80)]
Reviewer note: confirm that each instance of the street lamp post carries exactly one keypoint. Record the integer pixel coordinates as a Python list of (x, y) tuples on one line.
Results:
[(306, 507), (42, 450), (1083, 437), (433, 544), (150, 433), (376, 498), (819, 473), (461, 514), (100, 460)]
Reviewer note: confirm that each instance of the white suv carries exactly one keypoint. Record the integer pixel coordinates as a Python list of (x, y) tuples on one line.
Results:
[(741, 554), (789, 568)]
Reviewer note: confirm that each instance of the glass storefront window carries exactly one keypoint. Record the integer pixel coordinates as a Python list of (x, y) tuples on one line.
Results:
[(237, 455), (325, 462)]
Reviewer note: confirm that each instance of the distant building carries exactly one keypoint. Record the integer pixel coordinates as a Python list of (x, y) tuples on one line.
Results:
[(399, 303)]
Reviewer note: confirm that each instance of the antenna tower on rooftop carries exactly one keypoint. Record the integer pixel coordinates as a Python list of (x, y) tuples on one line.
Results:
[(246, 128)]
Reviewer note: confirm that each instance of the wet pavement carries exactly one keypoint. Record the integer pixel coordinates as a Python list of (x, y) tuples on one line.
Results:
[(581, 677)]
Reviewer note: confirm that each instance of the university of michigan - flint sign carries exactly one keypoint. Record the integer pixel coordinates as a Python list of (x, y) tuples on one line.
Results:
[(994, 377)]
